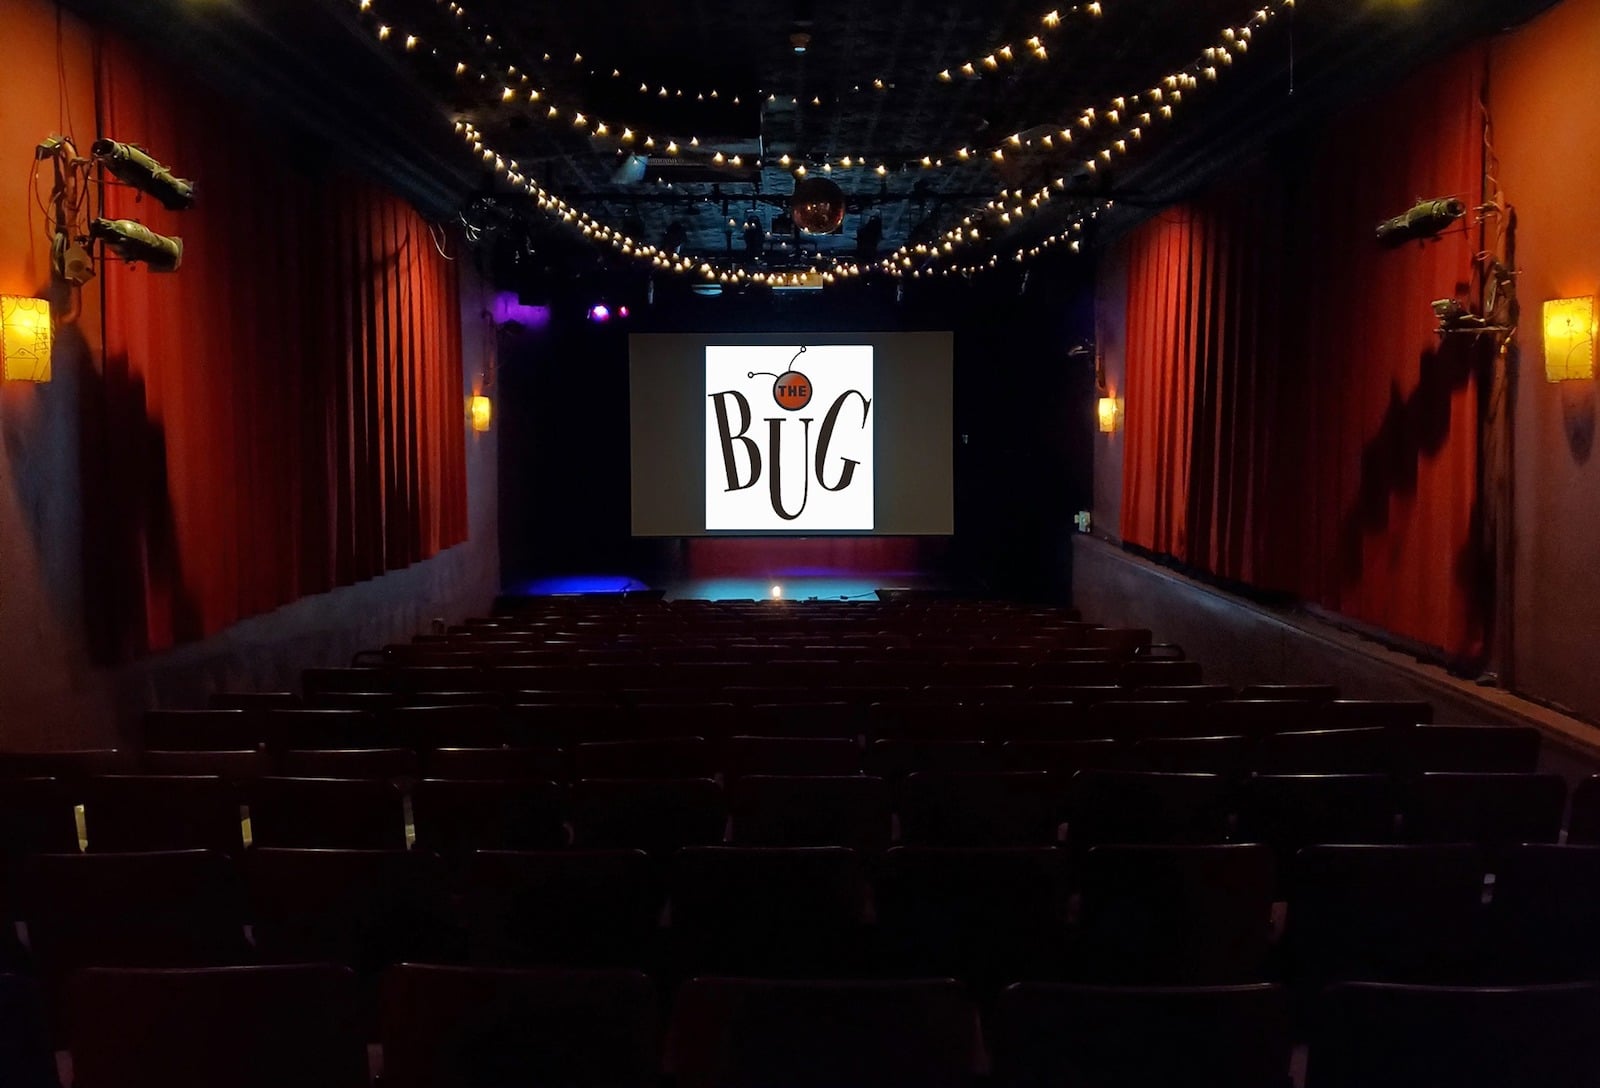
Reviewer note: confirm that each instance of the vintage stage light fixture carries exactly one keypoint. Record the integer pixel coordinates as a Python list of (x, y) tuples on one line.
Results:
[(1425, 220), (131, 164), (133, 241)]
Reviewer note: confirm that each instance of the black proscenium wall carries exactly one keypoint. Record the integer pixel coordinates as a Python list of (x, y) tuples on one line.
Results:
[(1024, 420)]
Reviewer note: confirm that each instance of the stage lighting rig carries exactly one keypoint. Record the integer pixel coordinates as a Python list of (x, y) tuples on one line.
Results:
[(133, 241), (1426, 220), (132, 165)]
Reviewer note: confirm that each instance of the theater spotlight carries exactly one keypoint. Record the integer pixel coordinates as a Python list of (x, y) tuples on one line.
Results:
[(133, 241), (130, 164), (1456, 318), (1425, 220)]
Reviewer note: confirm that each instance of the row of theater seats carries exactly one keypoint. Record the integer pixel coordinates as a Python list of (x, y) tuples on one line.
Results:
[(568, 723), (1179, 915), (1008, 808), (501, 675), (444, 1027)]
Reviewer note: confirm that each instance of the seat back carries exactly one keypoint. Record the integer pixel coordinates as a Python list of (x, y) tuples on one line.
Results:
[(657, 815), (1006, 808), (987, 916), (178, 908), (1471, 748), (453, 816), (1374, 1035), (580, 908), (792, 756), (913, 1034), (1288, 812), (836, 810), (1141, 807), (1176, 915), (1326, 751), (677, 757), (365, 909), (769, 911), (464, 1027), (202, 730), (1494, 810), (1542, 929), (26, 1058), (1387, 913), (326, 813), (162, 812), (349, 763), (1082, 1036), (227, 763), (246, 1027)]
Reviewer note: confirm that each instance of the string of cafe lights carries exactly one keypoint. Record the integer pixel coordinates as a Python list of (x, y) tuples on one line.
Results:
[(1070, 236), (1234, 40), (1004, 56), (1132, 115), (519, 90), (663, 260)]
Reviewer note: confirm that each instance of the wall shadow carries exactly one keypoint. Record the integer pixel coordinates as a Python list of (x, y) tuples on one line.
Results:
[(1414, 427), (133, 573)]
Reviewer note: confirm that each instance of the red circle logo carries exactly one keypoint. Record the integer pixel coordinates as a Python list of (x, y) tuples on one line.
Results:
[(792, 391)]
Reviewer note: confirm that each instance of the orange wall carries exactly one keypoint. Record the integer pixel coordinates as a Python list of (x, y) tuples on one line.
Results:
[(1545, 105), (51, 694), (46, 684), (1544, 94)]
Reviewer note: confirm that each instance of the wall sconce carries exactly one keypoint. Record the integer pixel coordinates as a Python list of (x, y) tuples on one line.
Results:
[(482, 411), (1569, 327), (1109, 410), (26, 337)]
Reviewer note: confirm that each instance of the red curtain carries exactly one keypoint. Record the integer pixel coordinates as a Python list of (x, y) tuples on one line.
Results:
[(1292, 419), (284, 414)]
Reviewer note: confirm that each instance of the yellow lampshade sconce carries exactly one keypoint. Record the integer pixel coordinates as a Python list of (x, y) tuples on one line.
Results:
[(26, 337), (481, 410), (1569, 331), (1109, 411)]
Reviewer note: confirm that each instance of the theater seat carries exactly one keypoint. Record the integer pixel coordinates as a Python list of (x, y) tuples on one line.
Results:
[(350, 763), (244, 1027), (1373, 1035), (1494, 810), (986, 916), (1482, 749), (579, 908), (1542, 920), (469, 1027), (1074, 1036), (782, 912), (162, 812), (1175, 915), (454, 816), (168, 909), (365, 909), (835, 810), (1384, 913), (26, 1060), (738, 1032), (326, 813), (647, 814), (1006, 808), (1141, 807)]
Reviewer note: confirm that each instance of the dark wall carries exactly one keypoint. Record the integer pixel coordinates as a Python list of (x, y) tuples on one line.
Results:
[(1023, 421)]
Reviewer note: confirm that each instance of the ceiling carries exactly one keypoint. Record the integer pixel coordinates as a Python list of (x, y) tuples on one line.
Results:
[(868, 86)]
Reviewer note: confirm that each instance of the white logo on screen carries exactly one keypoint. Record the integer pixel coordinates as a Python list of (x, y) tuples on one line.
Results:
[(789, 438)]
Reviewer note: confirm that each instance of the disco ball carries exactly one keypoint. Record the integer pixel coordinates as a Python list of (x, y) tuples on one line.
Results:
[(818, 206)]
